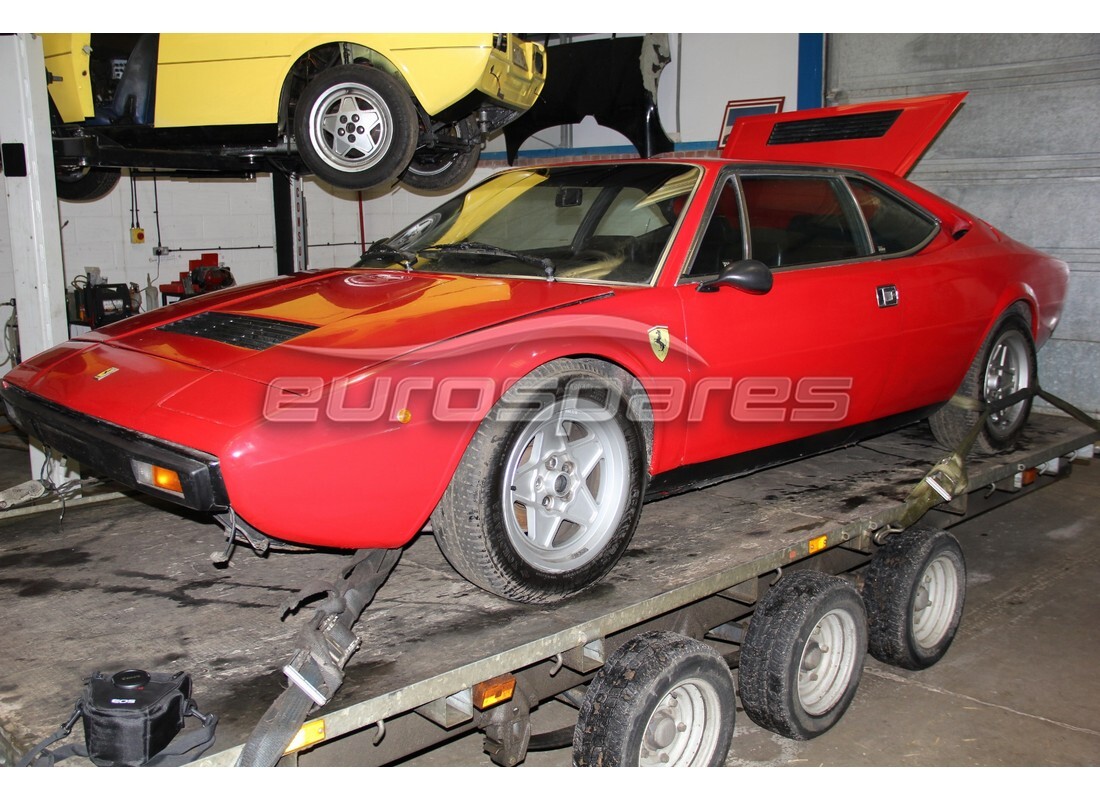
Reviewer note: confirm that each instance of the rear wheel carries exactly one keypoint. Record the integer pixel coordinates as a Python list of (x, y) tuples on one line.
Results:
[(1005, 365), (802, 657), (661, 700)]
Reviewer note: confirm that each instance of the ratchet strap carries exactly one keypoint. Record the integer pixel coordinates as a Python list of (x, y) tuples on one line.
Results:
[(948, 478)]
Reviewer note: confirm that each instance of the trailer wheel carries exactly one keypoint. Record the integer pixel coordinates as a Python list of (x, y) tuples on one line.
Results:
[(914, 590), (802, 657), (661, 700)]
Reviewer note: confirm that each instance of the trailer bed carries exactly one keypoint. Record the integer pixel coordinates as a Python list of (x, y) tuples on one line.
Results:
[(130, 584)]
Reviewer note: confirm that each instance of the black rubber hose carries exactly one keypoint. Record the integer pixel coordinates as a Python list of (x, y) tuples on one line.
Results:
[(551, 740)]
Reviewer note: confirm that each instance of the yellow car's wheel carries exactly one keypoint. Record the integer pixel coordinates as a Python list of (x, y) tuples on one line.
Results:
[(85, 184), (356, 127), (449, 161)]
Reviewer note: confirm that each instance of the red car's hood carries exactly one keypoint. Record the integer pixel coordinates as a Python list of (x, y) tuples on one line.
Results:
[(333, 323)]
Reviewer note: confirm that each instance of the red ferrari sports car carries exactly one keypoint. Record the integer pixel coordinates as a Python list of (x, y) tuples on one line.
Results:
[(527, 364)]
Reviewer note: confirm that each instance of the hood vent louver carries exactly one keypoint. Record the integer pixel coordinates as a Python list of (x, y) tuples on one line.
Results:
[(255, 333)]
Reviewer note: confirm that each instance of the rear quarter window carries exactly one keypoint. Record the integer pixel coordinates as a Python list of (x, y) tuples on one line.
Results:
[(895, 227)]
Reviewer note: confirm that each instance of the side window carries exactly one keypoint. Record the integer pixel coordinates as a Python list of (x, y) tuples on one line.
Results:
[(801, 220), (723, 241), (894, 226)]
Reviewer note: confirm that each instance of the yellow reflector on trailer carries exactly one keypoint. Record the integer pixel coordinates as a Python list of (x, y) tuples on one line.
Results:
[(309, 734), (494, 691), (818, 543)]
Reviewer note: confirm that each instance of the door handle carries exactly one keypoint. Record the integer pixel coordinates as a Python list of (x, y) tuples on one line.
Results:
[(887, 296)]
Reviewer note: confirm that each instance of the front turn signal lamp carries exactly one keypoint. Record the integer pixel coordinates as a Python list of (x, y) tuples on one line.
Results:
[(157, 477)]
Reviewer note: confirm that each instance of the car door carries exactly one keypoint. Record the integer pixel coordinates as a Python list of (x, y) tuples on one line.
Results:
[(809, 357)]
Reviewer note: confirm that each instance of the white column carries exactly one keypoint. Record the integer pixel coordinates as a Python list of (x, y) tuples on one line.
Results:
[(34, 229)]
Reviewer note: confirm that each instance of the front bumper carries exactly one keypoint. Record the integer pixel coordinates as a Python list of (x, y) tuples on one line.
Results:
[(110, 450)]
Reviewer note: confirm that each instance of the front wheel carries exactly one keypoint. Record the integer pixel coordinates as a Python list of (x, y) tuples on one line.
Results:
[(547, 496), (355, 127), (661, 700)]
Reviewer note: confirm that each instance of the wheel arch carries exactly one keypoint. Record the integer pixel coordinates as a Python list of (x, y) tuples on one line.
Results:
[(1020, 300), (326, 49), (624, 364)]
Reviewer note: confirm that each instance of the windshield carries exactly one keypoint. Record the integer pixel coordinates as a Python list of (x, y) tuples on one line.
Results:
[(605, 223)]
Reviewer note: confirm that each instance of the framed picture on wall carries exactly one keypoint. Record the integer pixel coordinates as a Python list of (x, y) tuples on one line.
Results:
[(746, 108)]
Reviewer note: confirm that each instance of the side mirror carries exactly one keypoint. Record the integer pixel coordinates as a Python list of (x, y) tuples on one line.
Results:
[(748, 275)]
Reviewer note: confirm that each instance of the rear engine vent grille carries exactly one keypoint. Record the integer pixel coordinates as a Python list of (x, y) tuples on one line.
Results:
[(255, 333), (872, 125)]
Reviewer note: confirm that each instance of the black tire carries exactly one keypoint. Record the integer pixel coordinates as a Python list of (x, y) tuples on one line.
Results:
[(445, 167), (662, 699), (914, 589), (511, 519), (370, 154), (81, 185), (803, 653), (1005, 363)]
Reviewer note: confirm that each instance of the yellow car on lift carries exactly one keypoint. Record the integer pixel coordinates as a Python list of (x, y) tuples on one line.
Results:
[(356, 109)]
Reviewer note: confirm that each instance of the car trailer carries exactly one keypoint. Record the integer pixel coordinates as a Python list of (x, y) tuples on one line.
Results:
[(787, 576)]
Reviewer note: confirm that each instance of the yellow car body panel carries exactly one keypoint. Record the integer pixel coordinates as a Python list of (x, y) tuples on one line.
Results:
[(237, 79), (67, 59)]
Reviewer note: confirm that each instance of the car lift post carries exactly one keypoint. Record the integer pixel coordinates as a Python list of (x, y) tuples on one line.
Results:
[(34, 229), (291, 243)]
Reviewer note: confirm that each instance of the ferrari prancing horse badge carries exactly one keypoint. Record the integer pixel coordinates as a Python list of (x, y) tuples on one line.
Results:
[(659, 341)]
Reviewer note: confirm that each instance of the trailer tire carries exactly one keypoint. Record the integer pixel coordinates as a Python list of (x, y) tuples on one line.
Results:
[(662, 699), (914, 589), (803, 653)]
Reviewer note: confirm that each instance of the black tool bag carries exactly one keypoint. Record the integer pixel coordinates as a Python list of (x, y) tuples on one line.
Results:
[(132, 719)]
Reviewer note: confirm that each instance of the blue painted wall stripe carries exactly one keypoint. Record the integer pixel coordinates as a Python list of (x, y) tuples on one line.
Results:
[(811, 70)]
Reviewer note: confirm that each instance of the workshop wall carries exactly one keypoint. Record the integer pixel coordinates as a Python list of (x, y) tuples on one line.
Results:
[(1022, 153), (235, 217)]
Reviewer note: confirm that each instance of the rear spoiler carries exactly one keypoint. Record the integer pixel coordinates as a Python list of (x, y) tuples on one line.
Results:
[(889, 135)]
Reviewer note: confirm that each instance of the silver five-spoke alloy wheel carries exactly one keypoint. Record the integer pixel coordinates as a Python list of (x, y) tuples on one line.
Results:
[(1007, 371), (350, 127), (566, 482)]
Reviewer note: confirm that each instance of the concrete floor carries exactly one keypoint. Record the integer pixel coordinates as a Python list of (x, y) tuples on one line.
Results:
[(1019, 686)]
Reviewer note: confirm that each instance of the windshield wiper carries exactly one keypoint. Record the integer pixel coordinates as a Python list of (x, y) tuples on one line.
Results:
[(381, 252), (482, 249)]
